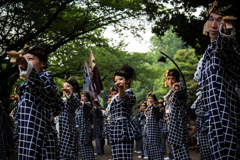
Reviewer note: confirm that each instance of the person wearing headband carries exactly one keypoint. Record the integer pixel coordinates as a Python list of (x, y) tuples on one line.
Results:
[(67, 129), (218, 77), (176, 102), (123, 131), (38, 104), (142, 119), (152, 129), (83, 121)]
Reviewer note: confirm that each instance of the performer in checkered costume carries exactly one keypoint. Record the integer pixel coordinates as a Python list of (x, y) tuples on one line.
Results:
[(139, 143), (98, 127), (83, 121), (142, 120), (122, 129), (152, 129), (67, 128), (176, 100), (219, 84), (38, 102)]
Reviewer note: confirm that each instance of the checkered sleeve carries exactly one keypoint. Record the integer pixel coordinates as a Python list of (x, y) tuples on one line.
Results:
[(45, 88)]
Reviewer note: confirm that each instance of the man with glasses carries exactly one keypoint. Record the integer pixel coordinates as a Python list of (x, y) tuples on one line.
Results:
[(218, 74)]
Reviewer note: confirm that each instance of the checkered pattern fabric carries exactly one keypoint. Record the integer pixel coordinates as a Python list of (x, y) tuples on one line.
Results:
[(122, 151), (86, 151), (83, 122), (67, 129), (122, 131), (142, 120), (205, 151), (220, 77), (181, 153), (162, 136), (37, 103), (176, 120), (3, 151), (139, 142), (153, 133), (98, 129)]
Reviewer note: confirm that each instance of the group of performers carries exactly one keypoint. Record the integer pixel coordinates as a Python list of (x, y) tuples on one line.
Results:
[(49, 127)]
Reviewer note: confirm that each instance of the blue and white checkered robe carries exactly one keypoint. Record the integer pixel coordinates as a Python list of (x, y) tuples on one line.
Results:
[(176, 119), (122, 131), (83, 121), (38, 101), (153, 133), (220, 77), (67, 129)]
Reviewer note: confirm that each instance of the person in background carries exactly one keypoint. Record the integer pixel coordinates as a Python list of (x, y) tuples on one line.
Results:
[(98, 128), (139, 143), (83, 121), (142, 119), (152, 129)]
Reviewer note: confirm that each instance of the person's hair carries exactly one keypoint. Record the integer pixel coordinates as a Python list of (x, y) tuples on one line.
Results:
[(96, 103), (192, 116), (74, 84), (88, 96), (145, 103), (150, 94), (138, 106), (175, 73), (127, 72)]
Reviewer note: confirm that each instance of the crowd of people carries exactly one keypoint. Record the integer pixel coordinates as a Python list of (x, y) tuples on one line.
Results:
[(49, 127)]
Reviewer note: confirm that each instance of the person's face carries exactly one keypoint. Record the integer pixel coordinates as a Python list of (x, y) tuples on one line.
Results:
[(121, 80), (109, 100), (160, 105), (138, 110), (150, 100), (68, 86), (171, 80), (35, 61), (143, 107), (214, 23), (113, 93), (84, 98)]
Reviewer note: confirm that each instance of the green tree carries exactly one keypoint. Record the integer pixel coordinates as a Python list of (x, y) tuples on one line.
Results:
[(54, 23)]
